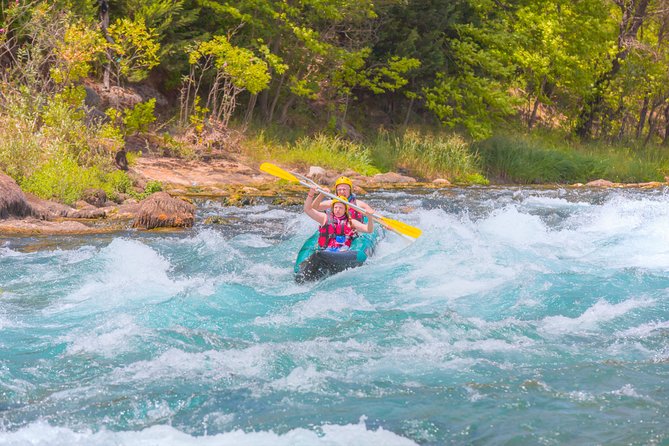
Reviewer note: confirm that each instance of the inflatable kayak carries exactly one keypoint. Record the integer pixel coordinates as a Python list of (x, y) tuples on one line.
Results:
[(313, 263)]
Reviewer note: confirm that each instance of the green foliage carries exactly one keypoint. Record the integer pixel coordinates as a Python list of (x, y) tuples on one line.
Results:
[(152, 187), (469, 102), (322, 150), (518, 159), (63, 179), (430, 156), (81, 46), (135, 46), (138, 118), (240, 65), (20, 151), (199, 116)]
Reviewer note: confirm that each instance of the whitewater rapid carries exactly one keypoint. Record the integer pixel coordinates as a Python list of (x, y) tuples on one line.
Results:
[(521, 316)]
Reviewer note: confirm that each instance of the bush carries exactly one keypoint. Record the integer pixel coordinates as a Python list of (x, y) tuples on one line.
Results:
[(537, 159), (325, 151), (430, 156)]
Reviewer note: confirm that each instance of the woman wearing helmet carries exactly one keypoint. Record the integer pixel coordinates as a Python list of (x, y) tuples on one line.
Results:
[(344, 188), (337, 228)]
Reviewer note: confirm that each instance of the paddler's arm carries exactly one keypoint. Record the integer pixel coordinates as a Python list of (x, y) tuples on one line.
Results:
[(319, 204), (319, 217), (361, 227)]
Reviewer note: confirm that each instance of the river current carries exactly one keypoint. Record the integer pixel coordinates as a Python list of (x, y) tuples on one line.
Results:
[(521, 316)]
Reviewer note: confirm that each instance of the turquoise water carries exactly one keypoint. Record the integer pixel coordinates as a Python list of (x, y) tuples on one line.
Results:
[(522, 316)]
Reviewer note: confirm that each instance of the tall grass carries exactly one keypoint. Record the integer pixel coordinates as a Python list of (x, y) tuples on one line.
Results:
[(543, 159), (320, 150), (430, 156), (422, 155)]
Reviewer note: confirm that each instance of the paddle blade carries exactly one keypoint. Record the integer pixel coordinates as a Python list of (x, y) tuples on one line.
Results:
[(278, 172), (400, 227)]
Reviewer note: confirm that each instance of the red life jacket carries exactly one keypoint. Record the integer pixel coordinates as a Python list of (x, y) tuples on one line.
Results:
[(354, 213), (328, 233)]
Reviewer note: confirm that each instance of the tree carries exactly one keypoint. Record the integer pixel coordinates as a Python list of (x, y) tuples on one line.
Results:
[(632, 16)]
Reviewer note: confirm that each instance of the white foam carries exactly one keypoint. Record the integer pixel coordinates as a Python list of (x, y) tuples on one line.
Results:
[(302, 379), (626, 390), (129, 271), (514, 228), (322, 304), (643, 330), (116, 335), (211, 365), (601, 311), (42, 434)]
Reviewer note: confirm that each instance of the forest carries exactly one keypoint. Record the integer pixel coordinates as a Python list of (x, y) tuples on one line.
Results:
[(522, 91)]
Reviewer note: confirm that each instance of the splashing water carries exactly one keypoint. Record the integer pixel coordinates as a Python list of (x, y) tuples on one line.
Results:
[(521, 316)]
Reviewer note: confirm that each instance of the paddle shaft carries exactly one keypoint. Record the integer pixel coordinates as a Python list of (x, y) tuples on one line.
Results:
[(403, 229), (311, 184)]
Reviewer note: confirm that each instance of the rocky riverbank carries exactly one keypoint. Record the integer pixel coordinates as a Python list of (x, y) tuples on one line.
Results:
[(237, 182)]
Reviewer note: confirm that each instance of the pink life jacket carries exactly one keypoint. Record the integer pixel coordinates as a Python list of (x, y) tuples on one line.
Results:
[(334, 227)]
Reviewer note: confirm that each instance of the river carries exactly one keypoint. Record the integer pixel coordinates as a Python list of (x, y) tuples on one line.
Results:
[(521, 316)]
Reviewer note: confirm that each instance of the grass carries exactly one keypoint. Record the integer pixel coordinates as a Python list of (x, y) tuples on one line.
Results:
[(319, 150), (423, 155), (544, 158)]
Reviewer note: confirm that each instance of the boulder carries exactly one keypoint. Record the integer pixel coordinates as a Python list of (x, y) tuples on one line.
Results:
[(160, 210), (95, 197), (392, 177), (600, 183), (441, 182), (318, 174), (46, 209), (13, 201)]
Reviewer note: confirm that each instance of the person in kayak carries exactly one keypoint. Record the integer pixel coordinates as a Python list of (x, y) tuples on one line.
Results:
[(337, 228), (343, 188)]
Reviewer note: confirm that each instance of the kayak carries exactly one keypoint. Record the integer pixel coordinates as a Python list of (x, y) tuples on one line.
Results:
[(314, 263)]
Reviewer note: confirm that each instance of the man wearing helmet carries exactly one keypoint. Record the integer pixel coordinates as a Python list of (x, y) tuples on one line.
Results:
[(344, 188)]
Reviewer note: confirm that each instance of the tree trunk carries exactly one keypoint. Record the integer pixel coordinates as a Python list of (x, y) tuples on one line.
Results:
[(665, 140), (104, 24), (285, 108), (276, 99), (249, 109), (408, 113), (634, 13), (652, 123), (535, 108), (642, 117)]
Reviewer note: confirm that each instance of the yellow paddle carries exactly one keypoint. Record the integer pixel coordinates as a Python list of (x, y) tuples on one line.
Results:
[(395, 225)]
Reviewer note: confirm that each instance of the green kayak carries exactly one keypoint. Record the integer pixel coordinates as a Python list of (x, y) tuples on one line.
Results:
[(314, 263)]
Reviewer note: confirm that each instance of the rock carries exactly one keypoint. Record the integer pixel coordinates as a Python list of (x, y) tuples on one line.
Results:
[(13, 202), (95, 197), (92, 98), (216, 220), (318, 174), (81, 204), (88, 212), (239, 199), (287, 201), (121, 160), (351, 173), (392, 177), (160, 210), (441, 182), (47, 209), (600, 183)]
